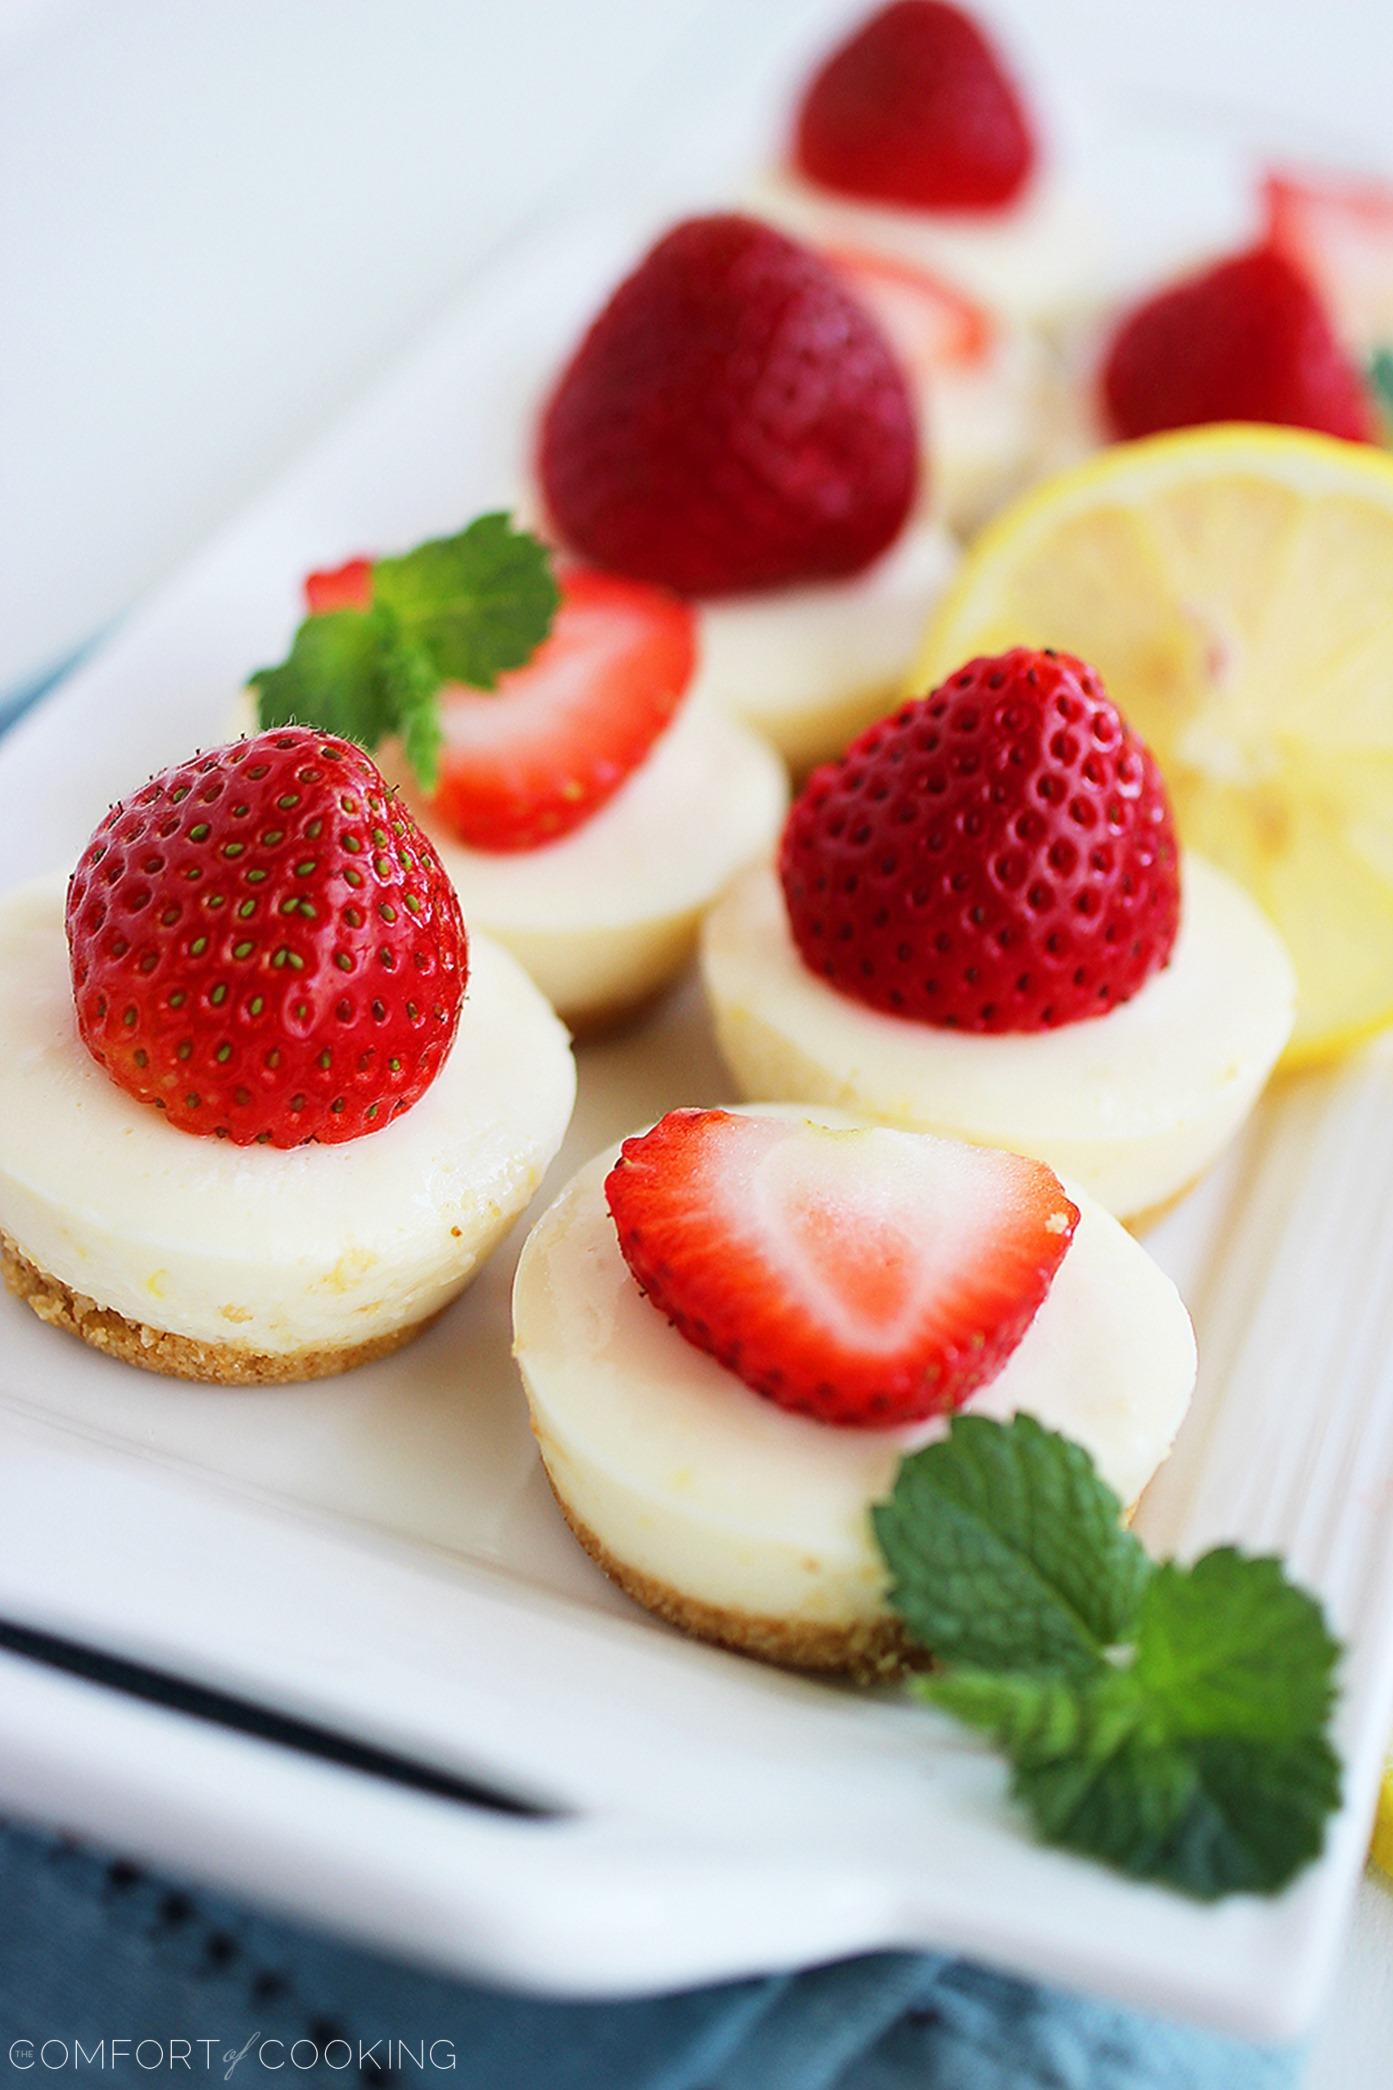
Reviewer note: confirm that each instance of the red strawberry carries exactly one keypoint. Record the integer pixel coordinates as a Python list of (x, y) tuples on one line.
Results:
[(869, 1278), (997, 856), (346, 587), (1339, 229), (732, 420), (916, 109), (930, 325), (264, 944), (1246, 340), (528, 761)]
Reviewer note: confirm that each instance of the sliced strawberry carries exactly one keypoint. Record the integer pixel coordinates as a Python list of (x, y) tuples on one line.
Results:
[(930, 324), (530, 760), (346, 587), (1340, 230), (866, 1278)]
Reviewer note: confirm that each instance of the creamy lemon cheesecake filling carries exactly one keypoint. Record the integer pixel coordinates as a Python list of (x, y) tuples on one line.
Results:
[(808, 667), (607, 915), (1133, 1105), (258, 1248), (696, 1485), (1033, 260), (983, 425)]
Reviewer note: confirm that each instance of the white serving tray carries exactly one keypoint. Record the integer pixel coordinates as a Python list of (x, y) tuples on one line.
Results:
[(379, 1554)]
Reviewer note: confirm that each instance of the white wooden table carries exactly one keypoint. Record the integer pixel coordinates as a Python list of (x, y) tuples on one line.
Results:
[(219, 221)]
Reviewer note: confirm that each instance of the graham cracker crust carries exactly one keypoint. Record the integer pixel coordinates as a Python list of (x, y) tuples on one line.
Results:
[(878, 1651), (179, 1356), (873, 1652)]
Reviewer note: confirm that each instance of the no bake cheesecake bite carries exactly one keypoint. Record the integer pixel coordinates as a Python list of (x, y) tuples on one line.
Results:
[(586, 801), (915, 139), (981, 923), (734, 1326), (264, 1107), (736, 428)]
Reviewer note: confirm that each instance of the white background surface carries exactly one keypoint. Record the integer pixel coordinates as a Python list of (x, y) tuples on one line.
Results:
[(219, 221)]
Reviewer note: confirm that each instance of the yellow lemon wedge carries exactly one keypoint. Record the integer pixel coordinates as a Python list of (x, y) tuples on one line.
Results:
[(1234, 588), (1381, 1843)]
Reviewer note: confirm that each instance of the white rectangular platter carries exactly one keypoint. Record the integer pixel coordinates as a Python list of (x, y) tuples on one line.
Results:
[(380, 1554)]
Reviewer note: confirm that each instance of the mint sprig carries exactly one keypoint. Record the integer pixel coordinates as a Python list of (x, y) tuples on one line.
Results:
[(457, 609), (1170, 1721)]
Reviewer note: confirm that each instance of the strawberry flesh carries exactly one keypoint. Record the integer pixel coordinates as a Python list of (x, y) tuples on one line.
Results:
[(1339, 229), (930, 324), (867, 1278), (532, 759), (346, 587)]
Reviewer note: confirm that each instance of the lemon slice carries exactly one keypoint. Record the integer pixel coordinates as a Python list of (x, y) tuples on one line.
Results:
[(1381, 1843), (1234, 588)]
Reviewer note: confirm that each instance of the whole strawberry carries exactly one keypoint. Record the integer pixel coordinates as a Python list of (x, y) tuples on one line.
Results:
[(265, 946), (916, 109), (733, 420), (997, 856), (1246, 340)]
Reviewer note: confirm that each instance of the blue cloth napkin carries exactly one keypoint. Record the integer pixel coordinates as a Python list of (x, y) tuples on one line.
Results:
[(94, 1951)]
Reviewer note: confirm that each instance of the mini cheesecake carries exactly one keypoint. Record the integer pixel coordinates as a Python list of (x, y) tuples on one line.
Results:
[(737, 426), (1134, 1105), (607, 916), (593, 867), (243, 1255), (747, 1524), (915, 959), (808, 667), (913, 139), (1034, 263)]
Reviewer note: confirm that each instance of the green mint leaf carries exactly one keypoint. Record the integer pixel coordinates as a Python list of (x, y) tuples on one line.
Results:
[(1380, 381), (1207, 1817), (458, 609), (332, 679), (1007, 1551), (1101, 1770), (1168, 1721), (1230, 1647), (1034, 1719), (478, 603), (412, 688)]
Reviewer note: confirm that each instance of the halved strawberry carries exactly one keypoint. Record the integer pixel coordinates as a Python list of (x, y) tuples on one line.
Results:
[(528, 761), (1339, 229), (930, 324), (525, 763), (867, 1278), (346, 587)]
